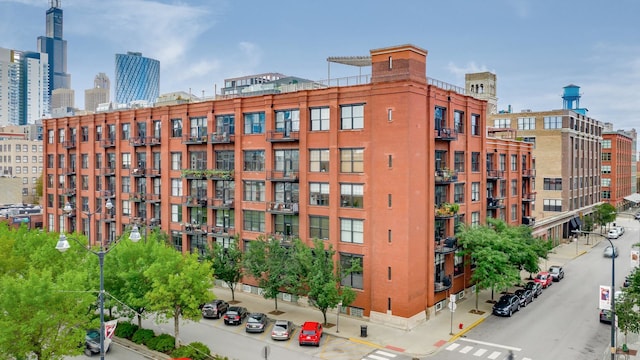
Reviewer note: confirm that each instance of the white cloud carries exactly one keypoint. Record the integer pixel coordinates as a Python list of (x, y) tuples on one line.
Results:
[(469, 68)]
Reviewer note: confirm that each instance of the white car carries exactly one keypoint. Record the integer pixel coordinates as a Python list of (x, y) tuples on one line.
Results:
[(613, 233)]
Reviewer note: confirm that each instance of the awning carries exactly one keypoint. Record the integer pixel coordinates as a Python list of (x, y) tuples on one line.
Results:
[(635, 198)]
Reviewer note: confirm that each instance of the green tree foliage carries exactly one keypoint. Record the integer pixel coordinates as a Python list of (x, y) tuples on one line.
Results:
[(604, 214), (266, 261), (179, 285), (227, 264), (627, 308)]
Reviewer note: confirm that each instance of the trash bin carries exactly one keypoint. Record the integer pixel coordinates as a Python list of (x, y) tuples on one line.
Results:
[(363, 330)]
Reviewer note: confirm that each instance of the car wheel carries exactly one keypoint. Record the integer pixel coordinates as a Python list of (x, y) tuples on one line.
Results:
[(510, 312), (88, 352)]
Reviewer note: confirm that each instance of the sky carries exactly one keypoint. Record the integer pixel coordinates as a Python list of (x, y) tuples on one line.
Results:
[(535, 47)]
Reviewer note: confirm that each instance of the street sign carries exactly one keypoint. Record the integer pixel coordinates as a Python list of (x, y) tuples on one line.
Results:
[(452, 298), (452, 306)]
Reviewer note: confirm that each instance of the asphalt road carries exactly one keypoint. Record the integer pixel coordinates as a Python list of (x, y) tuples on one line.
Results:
[(563, 322)]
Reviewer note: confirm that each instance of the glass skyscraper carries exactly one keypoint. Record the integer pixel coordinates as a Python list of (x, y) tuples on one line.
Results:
[(56, 48), (137, 78)]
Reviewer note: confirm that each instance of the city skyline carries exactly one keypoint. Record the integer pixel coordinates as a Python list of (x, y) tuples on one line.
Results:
[(534, 48)]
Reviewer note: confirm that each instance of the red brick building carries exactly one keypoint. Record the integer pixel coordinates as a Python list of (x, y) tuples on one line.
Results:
[(617, 152), (370, 168)]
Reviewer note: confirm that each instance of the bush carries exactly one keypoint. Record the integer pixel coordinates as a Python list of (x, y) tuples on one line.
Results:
[(142, 336), (163, 343), (126, 330), (195, 351)]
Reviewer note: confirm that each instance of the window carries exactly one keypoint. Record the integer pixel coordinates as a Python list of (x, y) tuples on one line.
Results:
[(458, 121), (351, 117), (606, 144), (458, 194), (50, 136), (126, 160), (198, 127), (475, 218), (458, 262), (225, 124), (605, 182), (553, 122), (475, 124), (253, 220), (84, 134), (458, 162), (225, 160), (287, 120), (254, 160), (475, 191), (320, 119), (254, 190), (126, 184), (126, 208), (440, 117), (319, 227), (176, 127), (50, 161), (552, 205), (254, 123), (319, 160), (553, 183), (514, 212), (126, 131), (287, 160), (352, 231), (354, 279), (319, 194), (176, 160), (502, 123), (176, 213), (526, 123), (351, 195), (286, 224), (475, 161), (514, 162), (514, 187), (352, 160), (503, 162), (606, 169), (98, 133), (606, 156), (176, 187)]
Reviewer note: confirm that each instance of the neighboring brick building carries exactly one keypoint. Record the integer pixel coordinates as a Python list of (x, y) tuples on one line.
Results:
[(617, 152), (370, 168)]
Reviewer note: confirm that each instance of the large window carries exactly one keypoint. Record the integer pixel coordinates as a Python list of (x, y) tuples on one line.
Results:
[(318, 227), (198, 127), (254, 123), (552, 205), (502, 123), (320, 119), (352, 231), (225, 124), (606, 144), (319, 194), (287, 120), (176, 213), (514, 187), (286, 224), (475, 124), (606, 169), (126, 131), (458, 121), (475, 191), (354, 279), (287, 160), (458, 162), (526, 123), (458, 194), (351, 195), (254, 190), (475, 161), (176, 160), (254, 160), (351, 160), (319, 160), (176, 187), (253, 220), (553, 183), (553, 122), (352, 117), (440, 117), (176, 127), (225, 160)]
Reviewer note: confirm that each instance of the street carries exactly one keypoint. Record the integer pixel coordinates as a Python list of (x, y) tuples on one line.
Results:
[(563, 322)]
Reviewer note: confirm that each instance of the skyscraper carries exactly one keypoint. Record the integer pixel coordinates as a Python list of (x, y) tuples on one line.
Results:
[(99, 94), (137, 78), (9, 87), (53, 45)]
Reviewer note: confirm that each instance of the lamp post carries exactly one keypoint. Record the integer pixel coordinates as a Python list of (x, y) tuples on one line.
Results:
[(135, 231), (63, 245), (613, 288), (338, 317)]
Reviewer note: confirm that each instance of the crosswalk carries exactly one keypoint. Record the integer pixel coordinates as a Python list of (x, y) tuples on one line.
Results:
[(480, 350), (383, 355)]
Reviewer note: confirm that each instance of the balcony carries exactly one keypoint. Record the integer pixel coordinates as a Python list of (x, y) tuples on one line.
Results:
[(194, 201), (69, 171), (446, 176), (446, 210), (283, 176), (138, 172), (194, 229), (283, 208), (528, 173), (153, 198), (151, 172), (215, 174), (107, 194), (284, 239), (443, 283), (221, 138), (68, 191), (446, 134), (153, 140), (195, 139), (528, 197), (194, 174), (494, 203), (220, 204), (107, 143), (138, 141), (109, 216), (528, 220), (446, 245), (69, 144), (221, 231), (281, 136), (107, 171), (139, 197), (495, 174)]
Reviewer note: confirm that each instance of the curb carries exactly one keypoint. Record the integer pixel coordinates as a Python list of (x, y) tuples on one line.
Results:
[(467, 329)]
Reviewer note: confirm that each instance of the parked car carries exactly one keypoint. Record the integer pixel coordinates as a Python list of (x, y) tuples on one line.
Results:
[(235, 315), (627, 281), (507, 305), (557, 272), (620, 229), (610, 251), (613, 233), (526, 296), (310, 333), (605, 316), (215, 309), (282, 330), (92, 343), (544, 279), (256, 322), (535, 288), (637, 216)]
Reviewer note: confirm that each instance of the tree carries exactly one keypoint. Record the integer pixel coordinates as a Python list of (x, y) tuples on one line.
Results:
[(604, 214), (266, 261), (627, 307), (227, 264), (179, 285)]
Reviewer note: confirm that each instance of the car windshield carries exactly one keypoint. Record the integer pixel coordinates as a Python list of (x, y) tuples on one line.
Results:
[(278, 329), (255, 319), (232, 313), (541, 277)]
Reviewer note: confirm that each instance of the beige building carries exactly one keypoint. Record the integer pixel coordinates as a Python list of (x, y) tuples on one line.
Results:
[(99, 94), (21, 158), (62, 98)]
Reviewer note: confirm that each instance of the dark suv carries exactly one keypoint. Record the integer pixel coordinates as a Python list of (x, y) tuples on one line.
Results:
[(507, 305), (235, 315), (557, 272), (215, 309)]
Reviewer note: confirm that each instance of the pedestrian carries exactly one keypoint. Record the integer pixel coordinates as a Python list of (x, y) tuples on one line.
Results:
[(511, 356)]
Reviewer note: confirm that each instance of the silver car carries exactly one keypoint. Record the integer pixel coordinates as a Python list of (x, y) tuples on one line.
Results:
[(611, 251), (282, 330)]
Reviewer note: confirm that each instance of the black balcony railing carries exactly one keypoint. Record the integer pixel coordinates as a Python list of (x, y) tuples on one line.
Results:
[(138, 141), (221, 138), (108, 142), (529, 197), (220, 204), (69, 144), (443, 283), (282, 136), (446, 176), (446, 134), (493, 203), (446, 246), (153, 140), (283, 175), (195, 138), (275, 207), (528, 172), (221, 231), (495, 174)]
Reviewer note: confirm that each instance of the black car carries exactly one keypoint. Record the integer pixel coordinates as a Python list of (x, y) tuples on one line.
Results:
[(92, 343), (526, 296), (507, 305), (256, 322), (535, 288), (235, 315), (557, 272), (605, 316), (215, 309)]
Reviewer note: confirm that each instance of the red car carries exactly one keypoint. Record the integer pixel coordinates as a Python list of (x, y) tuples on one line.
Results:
[(544, 279), (310, 333)]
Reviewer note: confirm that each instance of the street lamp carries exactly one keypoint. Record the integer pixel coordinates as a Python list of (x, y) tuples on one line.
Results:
[(338, 317), (613, 288), (63, 245)]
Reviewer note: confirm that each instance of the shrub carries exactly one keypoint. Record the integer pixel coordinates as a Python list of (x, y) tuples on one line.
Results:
[(142, 336), (126, 330), (195, 351), (163, 343)]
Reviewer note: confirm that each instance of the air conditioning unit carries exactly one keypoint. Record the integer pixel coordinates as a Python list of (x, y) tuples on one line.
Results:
[(286, 297), (439, 305), (246, 288), (460, 295)]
